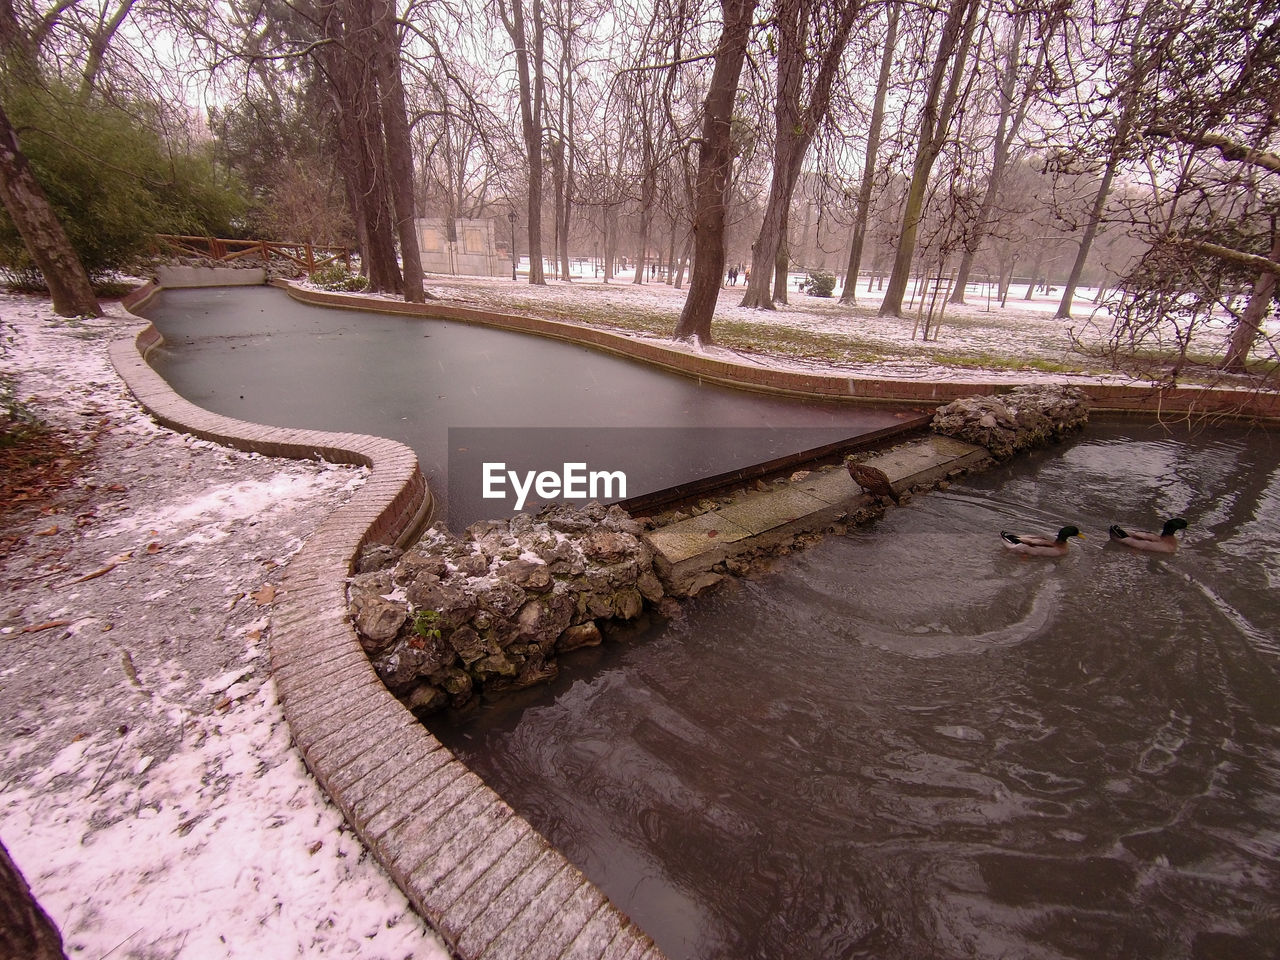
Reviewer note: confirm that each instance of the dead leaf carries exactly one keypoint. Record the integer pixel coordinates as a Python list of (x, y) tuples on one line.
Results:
[(154, 546), (37, 627), (264, 594), (47, 533), (110, 565), (315, 847)]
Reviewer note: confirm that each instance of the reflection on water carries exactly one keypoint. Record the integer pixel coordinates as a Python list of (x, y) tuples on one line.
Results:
[(907, 743)]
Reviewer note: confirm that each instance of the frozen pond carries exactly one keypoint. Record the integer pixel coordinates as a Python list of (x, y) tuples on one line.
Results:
[(253, 353)]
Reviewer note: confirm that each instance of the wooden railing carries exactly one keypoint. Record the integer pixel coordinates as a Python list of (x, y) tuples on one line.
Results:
[(308, 256)]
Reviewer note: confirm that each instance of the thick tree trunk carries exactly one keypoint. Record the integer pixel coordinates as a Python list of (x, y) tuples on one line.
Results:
[(950, 68), (395, 125), (41, 232), (794, 128), (1249, 327), (347, 61), (531, 88), (850, 293), (26, 932), (715, 162)]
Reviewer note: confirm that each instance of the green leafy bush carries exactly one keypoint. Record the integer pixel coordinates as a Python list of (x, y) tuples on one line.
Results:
[(819, 283), (337, 277), (113, 181)]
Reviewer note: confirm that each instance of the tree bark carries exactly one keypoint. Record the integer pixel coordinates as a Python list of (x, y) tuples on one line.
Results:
[(715, 162), (935, 119), (26, 932), (395, 125), (531, 88), (1007, 128), (41, 231), (850, 292), (794, 131), (1249, 327)]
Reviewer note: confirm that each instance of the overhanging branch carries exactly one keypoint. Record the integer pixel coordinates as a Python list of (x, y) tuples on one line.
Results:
[(1230, 149)]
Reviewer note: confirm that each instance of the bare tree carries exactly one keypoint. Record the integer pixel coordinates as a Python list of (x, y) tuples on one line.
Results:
[(795, 125), (715, 161), (942, 96)]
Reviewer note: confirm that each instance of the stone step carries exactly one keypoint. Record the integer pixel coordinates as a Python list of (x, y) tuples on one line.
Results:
[(686, 552)]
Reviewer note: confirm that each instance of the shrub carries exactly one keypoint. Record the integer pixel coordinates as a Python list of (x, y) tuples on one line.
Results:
[(337, 277), (819, 283), (112, 180)]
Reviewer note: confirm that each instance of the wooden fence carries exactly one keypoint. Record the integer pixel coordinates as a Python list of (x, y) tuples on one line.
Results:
[(308, 256)]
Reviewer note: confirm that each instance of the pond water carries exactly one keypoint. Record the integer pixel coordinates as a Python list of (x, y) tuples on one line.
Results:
[(255, 354), (908, 743)]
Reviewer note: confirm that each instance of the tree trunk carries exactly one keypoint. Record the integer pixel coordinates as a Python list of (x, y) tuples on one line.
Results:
[(715, 162), (26, 932), (935, 119), (395, 125), (41, 232), (850, 292), (1249, 327), (531, 99), (794, 131), (1007, 128)]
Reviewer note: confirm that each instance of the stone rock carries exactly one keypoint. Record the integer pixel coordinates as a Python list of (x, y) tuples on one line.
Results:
[(501, 597), (378, 620), (583, 635), (425, 699), (377, 556), (628, 604), (454, 605), (650, 586), (606, 546), (1026, 417), (473, 565), (527, 575)]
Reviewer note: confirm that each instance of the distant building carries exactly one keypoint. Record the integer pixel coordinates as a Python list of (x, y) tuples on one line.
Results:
[(465, 248)]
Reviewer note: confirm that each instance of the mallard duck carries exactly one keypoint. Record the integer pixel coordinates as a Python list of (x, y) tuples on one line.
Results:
[(1162, 542), (871, 479), (1040, 546)]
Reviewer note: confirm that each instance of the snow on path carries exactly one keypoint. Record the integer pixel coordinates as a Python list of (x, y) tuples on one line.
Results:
[(149, 789)]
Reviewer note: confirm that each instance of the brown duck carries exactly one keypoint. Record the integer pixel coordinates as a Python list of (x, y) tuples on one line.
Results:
[(871, 479)]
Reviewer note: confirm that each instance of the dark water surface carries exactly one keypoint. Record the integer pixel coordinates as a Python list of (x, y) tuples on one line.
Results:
[(253, 353), (907, 743)]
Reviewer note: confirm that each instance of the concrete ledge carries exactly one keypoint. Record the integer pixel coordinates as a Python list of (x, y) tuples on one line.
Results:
[(1123, 398), (363, 746), (686, 552), (180, 276)]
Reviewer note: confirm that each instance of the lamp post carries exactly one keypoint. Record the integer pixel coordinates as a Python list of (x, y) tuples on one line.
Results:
[(512, 217)]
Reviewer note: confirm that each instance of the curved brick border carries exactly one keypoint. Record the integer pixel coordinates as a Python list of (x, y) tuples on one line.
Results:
[(482, 876), (1177, 401)]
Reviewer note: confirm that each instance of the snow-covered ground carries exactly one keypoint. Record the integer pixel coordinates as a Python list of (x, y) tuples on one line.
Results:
[(149, 789), (979, 340)]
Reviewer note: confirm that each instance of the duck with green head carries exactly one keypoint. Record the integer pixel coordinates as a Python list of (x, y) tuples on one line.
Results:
[(1034, 546), (1163, 542)]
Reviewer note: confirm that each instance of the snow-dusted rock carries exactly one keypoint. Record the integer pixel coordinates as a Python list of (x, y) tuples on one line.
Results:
[(491, 609), (1026, 417)]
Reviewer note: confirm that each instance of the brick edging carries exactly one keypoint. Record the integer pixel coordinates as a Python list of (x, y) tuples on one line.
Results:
[(1121, 398), (486, 881)]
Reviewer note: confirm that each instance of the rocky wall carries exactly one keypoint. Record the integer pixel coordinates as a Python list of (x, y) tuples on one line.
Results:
[(1024, 418), (489, 611)]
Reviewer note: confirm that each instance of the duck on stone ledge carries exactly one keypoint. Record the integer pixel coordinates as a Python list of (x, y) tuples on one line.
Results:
[(871, 479)]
